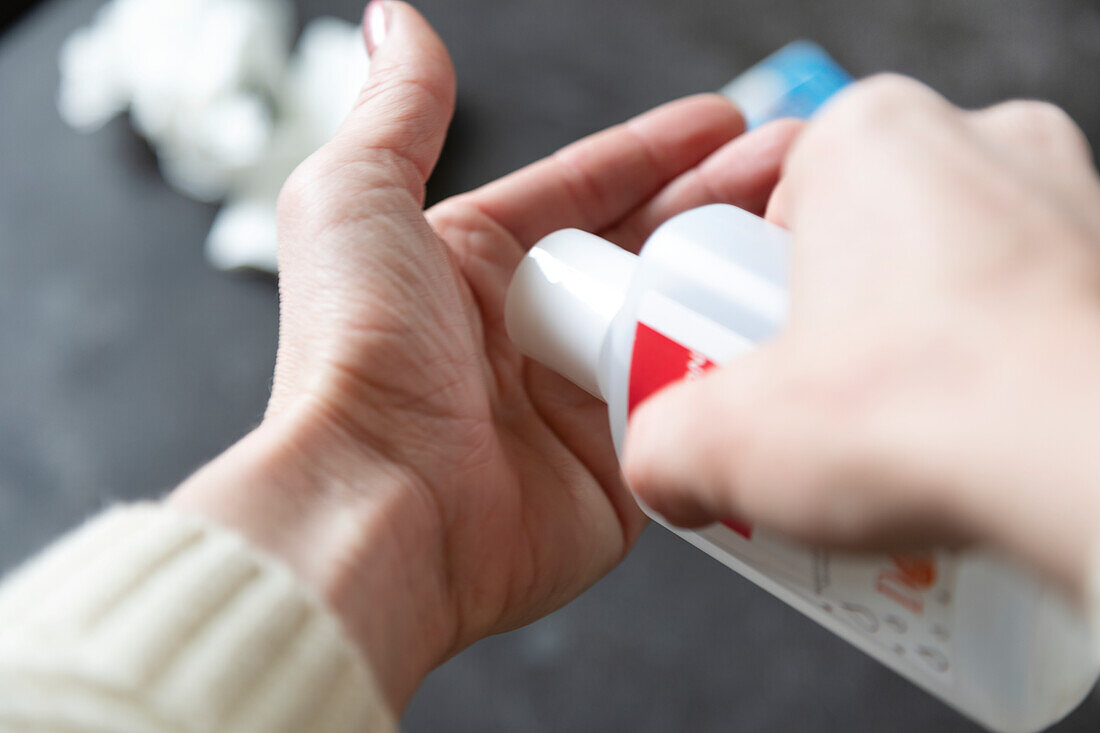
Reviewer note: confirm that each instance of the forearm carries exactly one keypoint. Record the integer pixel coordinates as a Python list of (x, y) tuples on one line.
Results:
[(262, 590)]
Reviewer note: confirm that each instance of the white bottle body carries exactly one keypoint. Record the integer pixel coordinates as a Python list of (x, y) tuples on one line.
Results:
[(986, 638)]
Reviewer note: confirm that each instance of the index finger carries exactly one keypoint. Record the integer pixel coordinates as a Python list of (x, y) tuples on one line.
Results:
[(596, 181)]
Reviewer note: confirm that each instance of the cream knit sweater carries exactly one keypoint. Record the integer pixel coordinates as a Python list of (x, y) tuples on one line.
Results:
[(146, 620)]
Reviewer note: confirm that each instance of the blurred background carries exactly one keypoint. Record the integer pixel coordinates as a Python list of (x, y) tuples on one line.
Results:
[(126, 361)]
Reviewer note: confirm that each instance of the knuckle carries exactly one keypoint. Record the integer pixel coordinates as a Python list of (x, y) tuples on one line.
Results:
[(888, 90), (401, 111), (832, 493), (1044, 125), (886, 100), (873, 112), (313, 201), (299, 190), (456, 218), (1037, 115), (405, 88), (330, 188)]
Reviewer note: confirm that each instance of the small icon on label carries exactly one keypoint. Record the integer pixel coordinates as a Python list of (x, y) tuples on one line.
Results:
[(895, 623), (940, 632), (861, 617), (934, 658), (919, 571), (899, 649)]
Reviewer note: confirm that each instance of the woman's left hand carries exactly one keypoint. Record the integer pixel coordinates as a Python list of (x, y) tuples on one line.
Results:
[(432, 484)]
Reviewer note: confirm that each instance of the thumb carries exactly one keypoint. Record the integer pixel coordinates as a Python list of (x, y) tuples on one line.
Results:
[(343, 207), (401, 116), (795, 448), (697, 451)]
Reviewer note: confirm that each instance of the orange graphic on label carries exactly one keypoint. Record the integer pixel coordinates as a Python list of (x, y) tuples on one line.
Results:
[(905, 582)]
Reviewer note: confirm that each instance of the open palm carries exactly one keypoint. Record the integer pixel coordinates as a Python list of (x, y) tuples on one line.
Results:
[(498, 477)]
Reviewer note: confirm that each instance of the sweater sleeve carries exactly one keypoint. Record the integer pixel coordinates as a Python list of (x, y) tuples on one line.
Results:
[(147, 620)]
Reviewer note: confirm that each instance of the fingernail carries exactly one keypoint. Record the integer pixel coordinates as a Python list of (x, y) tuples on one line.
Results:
[(376, 18)]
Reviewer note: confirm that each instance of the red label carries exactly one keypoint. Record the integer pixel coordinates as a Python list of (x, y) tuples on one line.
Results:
[(658, 361)]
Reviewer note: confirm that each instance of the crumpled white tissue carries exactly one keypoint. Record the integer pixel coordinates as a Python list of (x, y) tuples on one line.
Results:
[(214, 87)]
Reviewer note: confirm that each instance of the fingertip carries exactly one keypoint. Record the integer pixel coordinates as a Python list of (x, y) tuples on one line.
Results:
[(693, 451), (700, 124), (657, 460), (409, 38), (375, 24), (747, 170), (721, 107), (777, 208), (780, 134), (405, 107), (706, 110), (638, 451)]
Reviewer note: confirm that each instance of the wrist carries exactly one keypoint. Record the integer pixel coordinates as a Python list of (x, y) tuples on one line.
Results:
[(355, 528)]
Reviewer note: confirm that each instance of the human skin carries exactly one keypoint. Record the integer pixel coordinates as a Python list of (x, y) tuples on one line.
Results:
[(429, 483), (936, 381), (938, 377)]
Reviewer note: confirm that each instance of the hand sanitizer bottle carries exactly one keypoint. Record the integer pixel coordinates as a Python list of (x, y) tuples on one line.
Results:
[(989, 640), (793, 82)]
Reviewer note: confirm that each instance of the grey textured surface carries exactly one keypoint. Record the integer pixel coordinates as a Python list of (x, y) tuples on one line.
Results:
[(126, 363)]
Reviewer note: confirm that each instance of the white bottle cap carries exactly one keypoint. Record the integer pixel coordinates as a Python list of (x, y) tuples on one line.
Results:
[(562, 299)]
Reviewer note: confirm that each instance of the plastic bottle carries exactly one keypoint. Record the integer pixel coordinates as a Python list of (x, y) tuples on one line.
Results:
[(992, 642), (793, 82)]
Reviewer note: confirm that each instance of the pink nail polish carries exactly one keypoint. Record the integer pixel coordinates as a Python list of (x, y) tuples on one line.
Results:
[(375, 20)]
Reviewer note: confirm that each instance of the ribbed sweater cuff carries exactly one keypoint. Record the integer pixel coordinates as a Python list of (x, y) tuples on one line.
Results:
[(146, 619)]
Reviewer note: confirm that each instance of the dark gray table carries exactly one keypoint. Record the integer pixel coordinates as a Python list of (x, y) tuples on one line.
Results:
[(126, 362)]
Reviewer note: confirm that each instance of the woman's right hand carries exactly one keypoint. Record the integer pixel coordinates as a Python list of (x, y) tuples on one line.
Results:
[(939, 378)]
